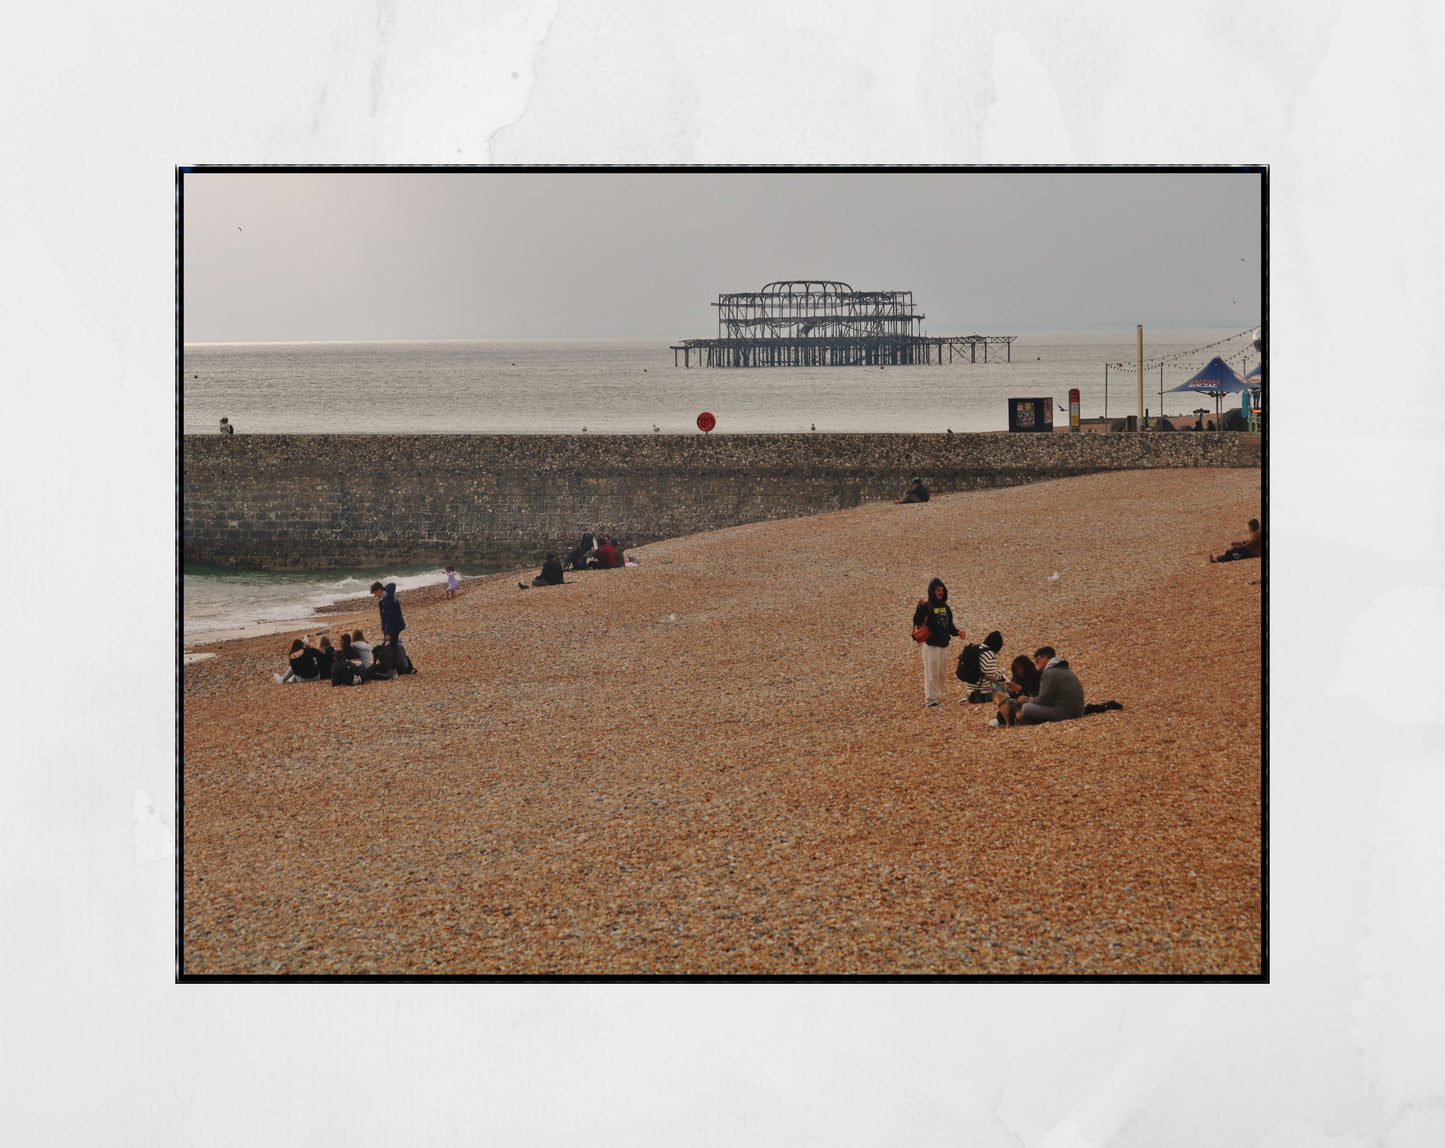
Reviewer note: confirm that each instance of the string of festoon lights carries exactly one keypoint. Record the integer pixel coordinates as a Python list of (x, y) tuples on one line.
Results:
[(1196, 358)]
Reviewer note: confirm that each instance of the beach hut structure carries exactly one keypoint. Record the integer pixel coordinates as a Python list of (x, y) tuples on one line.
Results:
[(1217, 378)]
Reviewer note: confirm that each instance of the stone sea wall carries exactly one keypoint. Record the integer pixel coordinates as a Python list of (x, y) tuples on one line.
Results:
[(283, 502)]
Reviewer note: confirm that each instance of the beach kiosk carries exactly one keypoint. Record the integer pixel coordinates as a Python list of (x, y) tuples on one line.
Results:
[(1255, 414), (1031, 415)]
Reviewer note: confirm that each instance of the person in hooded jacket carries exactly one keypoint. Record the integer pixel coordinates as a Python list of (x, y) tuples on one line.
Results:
[(392, 623), (990, 678), (551, 574), (916, 492), (1060, 696), (934, 612)]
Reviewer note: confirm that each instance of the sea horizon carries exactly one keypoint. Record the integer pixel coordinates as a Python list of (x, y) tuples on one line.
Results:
[(634, 385)]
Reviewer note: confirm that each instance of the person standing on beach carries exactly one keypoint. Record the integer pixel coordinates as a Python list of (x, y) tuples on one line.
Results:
[(453, 582), (392, 623), (226, 427), (934, 613)]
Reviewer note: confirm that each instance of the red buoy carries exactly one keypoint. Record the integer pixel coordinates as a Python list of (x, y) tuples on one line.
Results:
[(705, 422)]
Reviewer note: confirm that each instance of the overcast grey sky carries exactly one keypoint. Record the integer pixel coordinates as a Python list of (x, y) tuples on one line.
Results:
[(284, 256)]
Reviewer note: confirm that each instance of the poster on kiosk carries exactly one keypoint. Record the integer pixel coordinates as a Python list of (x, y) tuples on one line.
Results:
[(1031, 414)]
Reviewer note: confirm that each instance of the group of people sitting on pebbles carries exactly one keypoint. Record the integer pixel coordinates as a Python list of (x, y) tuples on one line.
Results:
[(355, 660), (349, 663), (594, 552), (1039, 689), (1043, 688)]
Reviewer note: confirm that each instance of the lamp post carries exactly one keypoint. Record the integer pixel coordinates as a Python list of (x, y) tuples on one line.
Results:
[(1139, 348)]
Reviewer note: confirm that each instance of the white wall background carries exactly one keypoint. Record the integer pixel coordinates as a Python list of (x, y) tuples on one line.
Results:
[(98, 1045)]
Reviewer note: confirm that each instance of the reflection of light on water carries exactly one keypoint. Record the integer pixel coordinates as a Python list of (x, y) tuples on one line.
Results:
[(629, 386)]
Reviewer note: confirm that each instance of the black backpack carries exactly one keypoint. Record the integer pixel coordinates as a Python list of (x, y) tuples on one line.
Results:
[(383, 666), (969, 667)]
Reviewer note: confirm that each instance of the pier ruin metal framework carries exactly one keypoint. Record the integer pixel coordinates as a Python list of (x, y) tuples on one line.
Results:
[(825, 323)]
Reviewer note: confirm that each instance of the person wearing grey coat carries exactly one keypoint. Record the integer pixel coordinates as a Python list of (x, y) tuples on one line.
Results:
[(1060, 696)]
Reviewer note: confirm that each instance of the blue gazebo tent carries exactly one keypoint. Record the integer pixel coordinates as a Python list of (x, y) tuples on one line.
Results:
[(1255, 375), (1218, 378)]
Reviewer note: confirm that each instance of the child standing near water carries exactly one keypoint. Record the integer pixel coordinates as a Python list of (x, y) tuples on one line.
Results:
[(453, 582)]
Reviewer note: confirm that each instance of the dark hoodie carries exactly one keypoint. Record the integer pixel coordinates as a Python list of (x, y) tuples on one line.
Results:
[(937, 614), (391, 621)]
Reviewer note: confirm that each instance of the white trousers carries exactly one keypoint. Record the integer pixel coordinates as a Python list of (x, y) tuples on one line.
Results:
[(935, 670)]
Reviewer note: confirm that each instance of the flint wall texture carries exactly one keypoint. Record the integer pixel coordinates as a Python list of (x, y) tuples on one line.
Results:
[(281, 502)]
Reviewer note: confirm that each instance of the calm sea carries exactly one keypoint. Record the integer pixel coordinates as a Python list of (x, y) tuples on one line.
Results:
[(623, 386)]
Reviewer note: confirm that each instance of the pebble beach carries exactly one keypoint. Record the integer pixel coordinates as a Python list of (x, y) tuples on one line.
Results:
[(719, 762)]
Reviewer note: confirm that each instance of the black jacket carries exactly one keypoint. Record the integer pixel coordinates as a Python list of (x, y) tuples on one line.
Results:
[(307, 663), (938, 616), (552, 572), (577, 557), (391, 620)]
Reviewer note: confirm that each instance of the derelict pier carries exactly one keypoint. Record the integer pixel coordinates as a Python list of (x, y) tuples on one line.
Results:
[(825, 323)]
